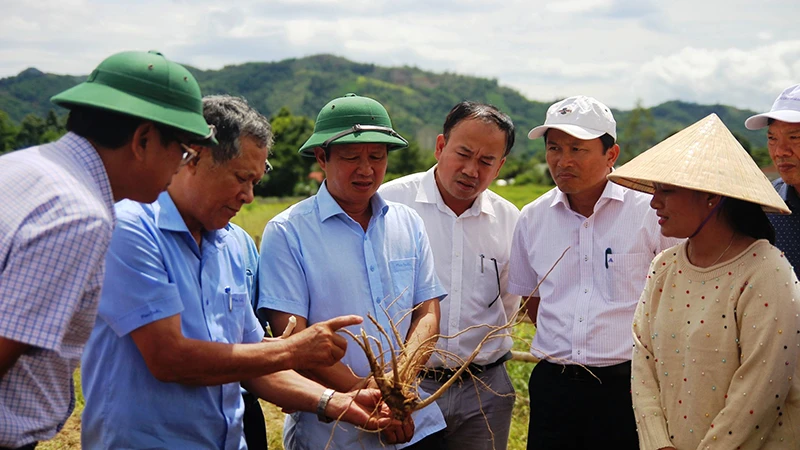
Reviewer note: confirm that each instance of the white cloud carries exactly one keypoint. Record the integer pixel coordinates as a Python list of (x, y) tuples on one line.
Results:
[(746, 78), (616, 50)]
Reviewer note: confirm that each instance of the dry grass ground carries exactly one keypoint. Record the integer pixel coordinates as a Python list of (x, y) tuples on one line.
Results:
[(253, 218)]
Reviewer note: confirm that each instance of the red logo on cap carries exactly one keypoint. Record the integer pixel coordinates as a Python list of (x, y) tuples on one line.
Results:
[(564, 111)]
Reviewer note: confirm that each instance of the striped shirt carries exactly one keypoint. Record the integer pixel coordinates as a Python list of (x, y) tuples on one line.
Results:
[(587, 302), (54, 231)]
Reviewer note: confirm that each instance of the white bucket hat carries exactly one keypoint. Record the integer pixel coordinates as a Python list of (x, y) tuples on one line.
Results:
[(580, 116), (786, 109), (703, 157)]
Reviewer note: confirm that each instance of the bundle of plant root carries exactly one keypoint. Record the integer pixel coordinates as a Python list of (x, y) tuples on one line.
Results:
[(395, 369)]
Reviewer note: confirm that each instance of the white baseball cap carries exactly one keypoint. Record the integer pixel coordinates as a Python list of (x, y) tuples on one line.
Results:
[(786, 109), (580, 116)]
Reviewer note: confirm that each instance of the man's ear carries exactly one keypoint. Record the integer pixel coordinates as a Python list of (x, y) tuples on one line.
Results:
[(612, 155), (142, 136), (319, 154), (194, 165)]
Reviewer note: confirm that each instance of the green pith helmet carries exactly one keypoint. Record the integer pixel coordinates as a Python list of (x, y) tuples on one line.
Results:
[(144, 85), (353, 120)]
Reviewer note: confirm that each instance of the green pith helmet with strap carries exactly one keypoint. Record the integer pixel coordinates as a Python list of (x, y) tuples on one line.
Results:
[(145, 85), (353, 120)]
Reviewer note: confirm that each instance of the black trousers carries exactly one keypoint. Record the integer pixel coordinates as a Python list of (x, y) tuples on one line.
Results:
[(255, 429), (572, 410), (434, 441), (24, 447)]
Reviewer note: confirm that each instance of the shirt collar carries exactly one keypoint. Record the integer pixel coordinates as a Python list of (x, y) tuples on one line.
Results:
[(788, 194), (612, 191), (169, 218), (429, 193), (86, 155), (329, 207)]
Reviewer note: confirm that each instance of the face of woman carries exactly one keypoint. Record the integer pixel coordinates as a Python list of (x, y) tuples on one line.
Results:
[(680, 211)]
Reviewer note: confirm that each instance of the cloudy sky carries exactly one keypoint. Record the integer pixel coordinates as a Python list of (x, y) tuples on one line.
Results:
[(737, 52)]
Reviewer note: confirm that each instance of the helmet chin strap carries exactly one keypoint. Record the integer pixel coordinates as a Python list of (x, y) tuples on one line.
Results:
[(708, 217)]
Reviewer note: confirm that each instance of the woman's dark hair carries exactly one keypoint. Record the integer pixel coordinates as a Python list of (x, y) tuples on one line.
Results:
[(747, 218), (110, 129)]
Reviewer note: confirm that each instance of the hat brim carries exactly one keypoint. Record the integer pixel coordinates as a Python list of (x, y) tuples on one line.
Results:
[(703, 157), (98, 95), (362, 137), (572, 130), (760, 121)]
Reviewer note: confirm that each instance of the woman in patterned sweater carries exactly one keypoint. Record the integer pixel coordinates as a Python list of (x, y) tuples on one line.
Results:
[(717, 329)]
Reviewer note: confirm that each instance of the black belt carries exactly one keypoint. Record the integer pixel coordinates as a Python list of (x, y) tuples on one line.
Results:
[(443, 374), (585, 373)]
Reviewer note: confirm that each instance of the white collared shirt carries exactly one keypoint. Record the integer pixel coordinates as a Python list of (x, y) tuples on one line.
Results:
[(587, 302), (463, 248)]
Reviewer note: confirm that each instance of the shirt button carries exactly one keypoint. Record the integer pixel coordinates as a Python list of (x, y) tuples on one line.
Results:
[(585, 257), (377, 299), (458, 255), (366, 239), (372, 268), (585, 291), (579, 352), (585, 224), (580, 319)]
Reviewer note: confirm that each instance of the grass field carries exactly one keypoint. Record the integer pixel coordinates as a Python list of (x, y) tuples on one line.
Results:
[(252, 218)]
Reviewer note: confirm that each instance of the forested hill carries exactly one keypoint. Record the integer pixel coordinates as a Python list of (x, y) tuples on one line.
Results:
[(417, 100)]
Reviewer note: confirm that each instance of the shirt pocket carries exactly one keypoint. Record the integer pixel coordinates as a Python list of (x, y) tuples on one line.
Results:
[(487, 282), (403, 282), (235, 308), (626, 276)]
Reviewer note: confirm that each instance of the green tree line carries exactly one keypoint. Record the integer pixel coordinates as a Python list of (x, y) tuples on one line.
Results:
[(294, 175)]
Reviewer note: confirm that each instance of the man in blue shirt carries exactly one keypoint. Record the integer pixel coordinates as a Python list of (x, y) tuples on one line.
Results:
[(347, 251), (127, 124), (255, 427), (176, 333), (783, 142)]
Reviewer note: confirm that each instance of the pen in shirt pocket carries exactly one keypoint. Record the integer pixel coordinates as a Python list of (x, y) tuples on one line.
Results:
[(609, 259), (230, 298)]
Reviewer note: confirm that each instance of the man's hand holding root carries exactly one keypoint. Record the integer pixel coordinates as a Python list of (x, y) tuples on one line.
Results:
[(364, 409)]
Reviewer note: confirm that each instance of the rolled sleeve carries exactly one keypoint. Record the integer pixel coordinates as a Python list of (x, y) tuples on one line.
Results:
[(522, 278), (137, 287), (427, 283), (282, 283)]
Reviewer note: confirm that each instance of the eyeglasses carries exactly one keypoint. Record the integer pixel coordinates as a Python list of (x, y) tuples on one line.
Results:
[(188, 154), (497, 276), (268, 167)]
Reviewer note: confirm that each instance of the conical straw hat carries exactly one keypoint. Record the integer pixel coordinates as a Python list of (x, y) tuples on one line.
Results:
[(704, 157)]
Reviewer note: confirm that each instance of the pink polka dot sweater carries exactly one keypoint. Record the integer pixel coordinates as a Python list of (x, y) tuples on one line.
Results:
[(716, 353)]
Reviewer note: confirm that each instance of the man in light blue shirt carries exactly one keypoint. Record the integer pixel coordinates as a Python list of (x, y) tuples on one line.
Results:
[(127, 124), (176, 333), (347, 251)]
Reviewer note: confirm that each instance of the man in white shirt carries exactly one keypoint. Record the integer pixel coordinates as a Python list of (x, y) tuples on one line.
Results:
[(470, 231), (580, 391)]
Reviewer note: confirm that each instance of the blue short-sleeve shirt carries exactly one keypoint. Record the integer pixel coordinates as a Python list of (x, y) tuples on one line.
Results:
[(322, 264), (154, 270)]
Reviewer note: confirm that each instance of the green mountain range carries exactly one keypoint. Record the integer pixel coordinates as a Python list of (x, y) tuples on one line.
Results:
[(417, 100)]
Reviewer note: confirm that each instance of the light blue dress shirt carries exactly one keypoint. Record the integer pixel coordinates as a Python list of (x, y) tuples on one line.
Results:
[(322, 264), (154, 270), (56, 218)]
